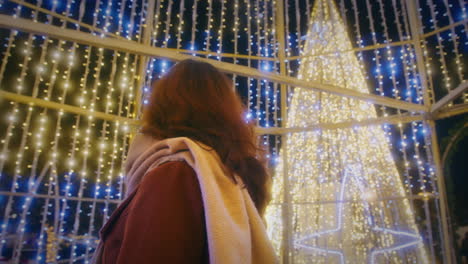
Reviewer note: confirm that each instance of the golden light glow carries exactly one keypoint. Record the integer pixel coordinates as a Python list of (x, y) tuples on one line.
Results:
[(341, 180)]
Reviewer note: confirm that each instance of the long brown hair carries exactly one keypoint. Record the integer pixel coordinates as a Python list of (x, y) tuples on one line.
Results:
[(195, 100)]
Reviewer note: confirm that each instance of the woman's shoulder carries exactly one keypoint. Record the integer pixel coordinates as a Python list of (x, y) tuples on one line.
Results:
[(172, 186), (171, 172)]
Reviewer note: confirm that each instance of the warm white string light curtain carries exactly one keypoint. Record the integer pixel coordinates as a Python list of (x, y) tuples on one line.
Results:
[(68, 171)]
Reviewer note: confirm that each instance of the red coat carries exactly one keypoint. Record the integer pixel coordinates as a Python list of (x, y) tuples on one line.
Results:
[(162, 221)]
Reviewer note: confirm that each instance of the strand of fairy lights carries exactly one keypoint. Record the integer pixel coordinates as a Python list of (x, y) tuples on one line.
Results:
[(126, 89), (276, 91), (288, 47), (421, 92), (273, 53), (153, 42), (103, 140), (32, 184), (43, 117), (418, 89), (71, 160), (254, 84), (287, 65), (266, 48), (262, 65), (219, 38), (288, 53), (14, 112), (261, 34), (130, 26), (427, 141), (209, 27), (407, 57), (248, 30), (180, 27), (87, 145), (453, 36), (395, 90), (413, 125), (219, 44), (122, 149), (454, 40), (194, 25), (377, 57), (440, 48), (265, 85), (266, 53), (268, 38), (357, 30), (379, 69), (148, 82), (464, 15), (22, 146), (167, 36), (388, 54), (408, 72), (298, 25), (72, 156), (123, 85), (235, 30), (25, 127), (288, 39), (430, 92), (65, 87), (157, 22), (102, 146), (125, 130), (121, 128), (253, 43), (256, 107)]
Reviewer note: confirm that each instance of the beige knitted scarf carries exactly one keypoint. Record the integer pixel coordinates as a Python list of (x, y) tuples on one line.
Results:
[(235, 231)]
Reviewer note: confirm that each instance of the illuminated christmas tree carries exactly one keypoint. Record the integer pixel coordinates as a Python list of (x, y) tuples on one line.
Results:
[(341, 180)]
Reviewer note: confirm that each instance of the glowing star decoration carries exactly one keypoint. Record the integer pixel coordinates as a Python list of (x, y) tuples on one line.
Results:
[(407, 239), (347, 201)]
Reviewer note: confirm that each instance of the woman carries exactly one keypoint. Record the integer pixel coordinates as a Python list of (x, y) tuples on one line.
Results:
[(196, 189)]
